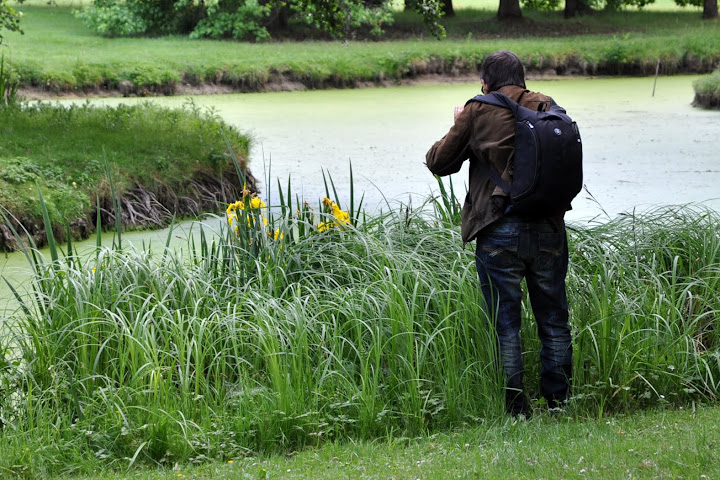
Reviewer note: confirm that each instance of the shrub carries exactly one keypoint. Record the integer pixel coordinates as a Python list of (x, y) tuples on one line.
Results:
[(238, 19), (241, 20), (113, 19)]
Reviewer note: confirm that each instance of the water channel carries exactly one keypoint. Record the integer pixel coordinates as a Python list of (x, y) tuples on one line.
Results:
[(642, 149)]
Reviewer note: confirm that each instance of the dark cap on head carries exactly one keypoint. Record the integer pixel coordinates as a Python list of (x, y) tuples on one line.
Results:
[(502, 68)]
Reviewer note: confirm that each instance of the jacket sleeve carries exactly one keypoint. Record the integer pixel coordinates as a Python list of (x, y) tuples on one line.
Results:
[(447, 155)]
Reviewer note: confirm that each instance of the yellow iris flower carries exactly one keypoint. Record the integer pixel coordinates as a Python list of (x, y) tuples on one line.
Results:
[(341, 217), (256, 202), (233, 207)]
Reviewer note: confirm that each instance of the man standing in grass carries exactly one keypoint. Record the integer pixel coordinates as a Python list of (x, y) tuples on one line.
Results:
[(510, 247)]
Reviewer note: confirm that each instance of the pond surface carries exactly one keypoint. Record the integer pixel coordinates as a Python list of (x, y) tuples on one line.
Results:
[(640, 150)]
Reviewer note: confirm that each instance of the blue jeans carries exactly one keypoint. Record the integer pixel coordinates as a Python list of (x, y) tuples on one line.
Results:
[(508, 250)]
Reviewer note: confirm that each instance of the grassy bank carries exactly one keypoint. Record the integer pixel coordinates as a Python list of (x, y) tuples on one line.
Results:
[(164, 162), (58, 55), (707, 91), (274, 335), (652, 444)]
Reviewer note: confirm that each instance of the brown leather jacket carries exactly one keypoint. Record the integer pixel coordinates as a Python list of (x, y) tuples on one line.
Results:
[(482, 133)]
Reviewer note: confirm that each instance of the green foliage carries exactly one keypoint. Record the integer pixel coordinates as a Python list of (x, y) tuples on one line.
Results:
[(615, 5), (240, 20), (113, 19), (431, 14), (543, 5), (9, 19), (362, 14), (685, 3), (237, 19), (447, 206), (341, 18), (138, 17)]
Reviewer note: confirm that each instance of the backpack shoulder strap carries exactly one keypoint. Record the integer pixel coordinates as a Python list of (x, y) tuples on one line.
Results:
[(497, 99), (502, 101)]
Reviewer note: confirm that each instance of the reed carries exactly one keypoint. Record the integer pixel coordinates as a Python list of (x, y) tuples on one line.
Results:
[(258, 337)]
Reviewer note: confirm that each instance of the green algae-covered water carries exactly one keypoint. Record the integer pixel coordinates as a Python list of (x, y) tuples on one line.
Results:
[(640, 150)]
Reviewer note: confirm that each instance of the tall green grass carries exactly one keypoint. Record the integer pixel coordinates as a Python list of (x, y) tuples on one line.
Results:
[(645, 289), (246, 341)]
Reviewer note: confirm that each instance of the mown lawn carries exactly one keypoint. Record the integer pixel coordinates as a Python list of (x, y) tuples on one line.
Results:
[(58, 54), (654, 444)]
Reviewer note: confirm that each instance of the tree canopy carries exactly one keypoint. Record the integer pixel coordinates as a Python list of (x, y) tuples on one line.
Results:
[(257, 20), (249, 19)]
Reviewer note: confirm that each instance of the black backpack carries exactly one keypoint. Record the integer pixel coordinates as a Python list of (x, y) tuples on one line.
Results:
[(547, 170)]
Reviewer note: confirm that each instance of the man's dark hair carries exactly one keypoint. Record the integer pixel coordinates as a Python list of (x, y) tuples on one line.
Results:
[(502, 68)]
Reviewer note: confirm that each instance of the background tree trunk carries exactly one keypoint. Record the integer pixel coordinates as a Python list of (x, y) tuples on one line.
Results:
[(571, 7), (447, 8), (509, 9), (279, 18), (576, 7), (710, 9)]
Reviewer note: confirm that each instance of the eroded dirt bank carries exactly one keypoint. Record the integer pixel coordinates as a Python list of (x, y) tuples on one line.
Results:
[(140, 208)]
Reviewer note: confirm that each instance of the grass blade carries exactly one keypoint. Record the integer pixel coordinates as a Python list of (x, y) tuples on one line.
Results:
[(116, 203), (48, 228)]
